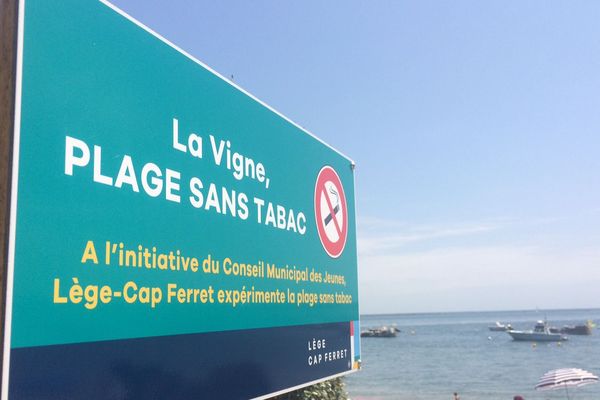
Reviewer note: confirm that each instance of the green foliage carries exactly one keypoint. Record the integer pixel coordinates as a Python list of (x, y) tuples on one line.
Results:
[(329, 390)]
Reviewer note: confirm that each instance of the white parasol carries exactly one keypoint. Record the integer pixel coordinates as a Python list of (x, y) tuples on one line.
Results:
[(565, 377)]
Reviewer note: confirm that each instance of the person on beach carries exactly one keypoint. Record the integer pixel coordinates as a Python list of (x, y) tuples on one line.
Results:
[(518, 398), (456, 396)]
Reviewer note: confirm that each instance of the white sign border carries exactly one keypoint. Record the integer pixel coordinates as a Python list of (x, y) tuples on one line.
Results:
[(13, 203)]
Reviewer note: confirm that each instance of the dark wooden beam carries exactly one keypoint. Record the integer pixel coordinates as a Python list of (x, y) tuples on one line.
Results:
[(8, 57)]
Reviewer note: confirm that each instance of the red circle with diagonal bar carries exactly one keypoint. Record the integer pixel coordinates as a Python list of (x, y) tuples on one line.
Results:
[(331, 211)]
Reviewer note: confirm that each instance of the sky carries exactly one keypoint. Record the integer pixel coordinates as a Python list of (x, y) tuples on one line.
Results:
[(475, 127)]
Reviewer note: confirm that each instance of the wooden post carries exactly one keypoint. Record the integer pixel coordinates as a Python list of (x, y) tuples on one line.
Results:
[(8, 57)]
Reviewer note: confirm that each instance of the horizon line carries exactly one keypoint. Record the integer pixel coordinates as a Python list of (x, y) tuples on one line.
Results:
[(480, 311)]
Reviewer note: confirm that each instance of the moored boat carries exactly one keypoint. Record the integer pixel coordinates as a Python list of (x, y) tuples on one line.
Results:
[(500, 327), (576, 330), (540, 333), (382, 332), (584, 329)]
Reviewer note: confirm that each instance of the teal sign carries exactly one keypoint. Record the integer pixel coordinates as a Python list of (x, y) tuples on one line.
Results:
[(153, 199)]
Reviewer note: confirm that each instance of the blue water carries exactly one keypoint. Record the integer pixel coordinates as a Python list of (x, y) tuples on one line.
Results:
[(438, 354)]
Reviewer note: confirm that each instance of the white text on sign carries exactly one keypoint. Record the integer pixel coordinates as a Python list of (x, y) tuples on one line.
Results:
[(154, 181)]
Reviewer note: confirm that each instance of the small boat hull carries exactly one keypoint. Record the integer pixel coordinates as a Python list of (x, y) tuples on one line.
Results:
[(577, 330), (381, 332), (500, 327), (536, 336)]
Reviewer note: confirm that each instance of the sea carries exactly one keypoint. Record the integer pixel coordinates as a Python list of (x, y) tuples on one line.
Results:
[(437, 354)]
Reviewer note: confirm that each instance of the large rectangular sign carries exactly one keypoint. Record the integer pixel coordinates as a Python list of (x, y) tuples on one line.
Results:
[(171, 236)]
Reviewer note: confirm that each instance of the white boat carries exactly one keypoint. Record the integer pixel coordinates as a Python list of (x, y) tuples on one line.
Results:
[(540, 333), (500, 327)]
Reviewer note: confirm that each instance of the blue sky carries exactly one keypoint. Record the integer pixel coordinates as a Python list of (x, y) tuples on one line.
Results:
[(475, 127)]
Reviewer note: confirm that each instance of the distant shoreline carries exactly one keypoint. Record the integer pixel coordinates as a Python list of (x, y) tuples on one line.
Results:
[(540, 310)]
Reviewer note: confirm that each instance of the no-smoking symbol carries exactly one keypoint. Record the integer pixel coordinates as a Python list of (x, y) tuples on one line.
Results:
[(331, 211)]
